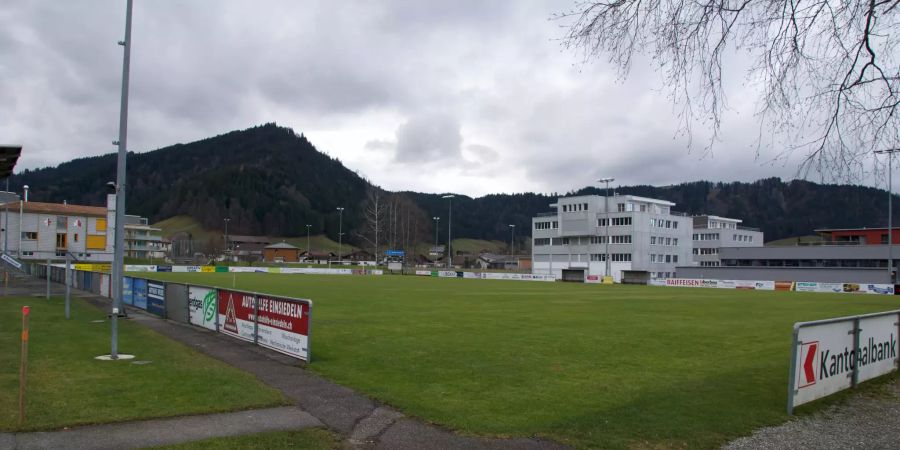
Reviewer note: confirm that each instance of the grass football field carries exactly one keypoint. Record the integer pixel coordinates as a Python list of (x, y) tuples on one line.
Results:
[(589, 365), (67, 386)]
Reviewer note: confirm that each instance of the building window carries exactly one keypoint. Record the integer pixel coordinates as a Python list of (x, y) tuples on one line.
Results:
[(585, 206), (542, 241), (675, 224), (60, 240), (675, 241), (61, 222), (555, 224), (101, 225), (696, 252), (622, 239), (621, 257), (621, 221), (621, 207), (668, 258), (674, 258), (652, 240), (29, 235), (24, 253), (75, 237), (653, 257)]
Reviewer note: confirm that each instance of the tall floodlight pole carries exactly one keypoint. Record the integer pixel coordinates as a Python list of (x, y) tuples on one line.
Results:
[(6, 222), (227, 219), (606, 201), (449, 198), (437, 223), (119, 256), (340, 232), (512, 239), (307, 241), (890, 190)]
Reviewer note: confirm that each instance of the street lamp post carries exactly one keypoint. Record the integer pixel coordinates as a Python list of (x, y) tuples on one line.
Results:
[(512, 239), (340, 232), (226, 235), (119, 249), (449, 198), (606, 202), (307, 241), (890, 153)]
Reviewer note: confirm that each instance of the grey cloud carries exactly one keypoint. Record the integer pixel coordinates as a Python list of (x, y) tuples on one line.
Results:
[(429, 138)]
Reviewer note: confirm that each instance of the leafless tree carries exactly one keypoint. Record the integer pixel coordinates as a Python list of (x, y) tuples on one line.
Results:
[(373, 218), (828, 71)]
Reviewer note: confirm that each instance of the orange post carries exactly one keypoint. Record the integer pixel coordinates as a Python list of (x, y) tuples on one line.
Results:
[(23, 368)]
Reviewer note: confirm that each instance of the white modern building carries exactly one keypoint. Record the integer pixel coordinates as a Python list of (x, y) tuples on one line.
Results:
[(41, 231), (646, 238), (712, 233)]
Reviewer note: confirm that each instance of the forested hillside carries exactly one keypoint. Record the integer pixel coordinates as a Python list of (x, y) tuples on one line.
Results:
[(271, 180)]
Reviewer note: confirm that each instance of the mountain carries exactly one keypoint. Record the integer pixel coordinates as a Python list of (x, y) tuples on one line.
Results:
[(270, 180)]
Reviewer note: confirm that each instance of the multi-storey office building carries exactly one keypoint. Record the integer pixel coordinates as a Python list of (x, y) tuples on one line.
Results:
[(711, 233), (646, 238)]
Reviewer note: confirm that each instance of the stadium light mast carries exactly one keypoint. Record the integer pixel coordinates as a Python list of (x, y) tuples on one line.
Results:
[(340, 232), (512, 239), (227, 219), (119, 246), (890, 242), (307, 241), (606, 201), (449, 198)]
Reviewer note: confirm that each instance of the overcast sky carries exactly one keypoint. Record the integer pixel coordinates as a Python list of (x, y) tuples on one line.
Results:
[(473, 97)]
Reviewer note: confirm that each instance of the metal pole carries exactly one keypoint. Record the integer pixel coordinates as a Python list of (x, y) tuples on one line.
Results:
[(6, 222), (68, 290), (340, 232), (449, 198), (48, 278), (890, 219), (307, 242), (23, 365), (890, 240), (512, 237), (226, 236), (607, 227), (119, 249)]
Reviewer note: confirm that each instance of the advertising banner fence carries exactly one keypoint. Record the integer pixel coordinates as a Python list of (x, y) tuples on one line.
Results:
[(127, 291), (156, 298), (284, 325), (237, 314), (139, 292), (202, 307), (835, 354)]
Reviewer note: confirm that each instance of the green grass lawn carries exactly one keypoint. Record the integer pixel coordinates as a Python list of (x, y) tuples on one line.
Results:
[(67, 386), (310, 439), (589, 365)]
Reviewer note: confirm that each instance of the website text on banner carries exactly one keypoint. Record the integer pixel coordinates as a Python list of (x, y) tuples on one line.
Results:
[(834, 354)]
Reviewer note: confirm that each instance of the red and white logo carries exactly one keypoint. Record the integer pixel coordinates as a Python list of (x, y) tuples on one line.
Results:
[(47, 222), (809, 355), (77, 223), (230, 319)]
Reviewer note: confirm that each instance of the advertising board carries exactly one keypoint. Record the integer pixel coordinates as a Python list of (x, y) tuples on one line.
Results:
[(139, 292), (202, 307), (139, 268), (446, 274), (236, 314), (127, 291), (284, 325), (832, 355), (100, 284), (156, 298), (423, 273), (692, 282)]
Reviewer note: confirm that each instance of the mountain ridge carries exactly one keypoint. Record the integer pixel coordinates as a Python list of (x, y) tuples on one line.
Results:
[(270, 180)]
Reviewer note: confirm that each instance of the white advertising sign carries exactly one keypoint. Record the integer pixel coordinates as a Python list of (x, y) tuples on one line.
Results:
[(423, 273), (12, 261), (447, 274), (825, 357), (139, 268), (202, 307), (692, 282)]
